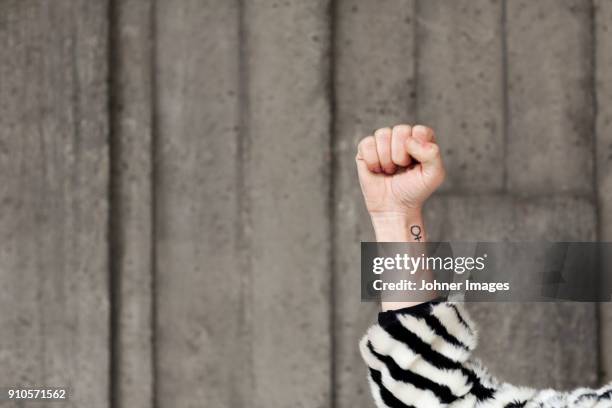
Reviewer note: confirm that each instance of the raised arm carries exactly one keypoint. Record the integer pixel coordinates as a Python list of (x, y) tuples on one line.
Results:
[(398, 170), (419, 355)]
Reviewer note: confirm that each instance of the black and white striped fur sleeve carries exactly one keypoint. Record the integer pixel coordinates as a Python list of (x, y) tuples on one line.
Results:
[(419, 357)]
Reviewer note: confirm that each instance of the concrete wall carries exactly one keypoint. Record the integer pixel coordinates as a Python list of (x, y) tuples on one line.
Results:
[(179, 212)]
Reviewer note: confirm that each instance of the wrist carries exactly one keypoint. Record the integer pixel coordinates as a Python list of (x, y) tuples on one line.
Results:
[(406, 214), (399, 226)]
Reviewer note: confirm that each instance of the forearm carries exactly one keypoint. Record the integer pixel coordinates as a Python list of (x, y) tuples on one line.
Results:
[(399, 227)]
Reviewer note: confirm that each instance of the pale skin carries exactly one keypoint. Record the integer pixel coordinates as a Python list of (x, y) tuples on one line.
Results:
[(399, 168)]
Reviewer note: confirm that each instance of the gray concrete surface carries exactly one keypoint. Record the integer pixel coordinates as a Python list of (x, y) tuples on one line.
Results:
[(603, 158), (222, 186), (287, 182), (202, 333), (54, 162), (131, 203), (550, 75)]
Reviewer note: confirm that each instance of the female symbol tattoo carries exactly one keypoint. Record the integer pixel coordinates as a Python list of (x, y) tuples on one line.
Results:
[(415, 230)]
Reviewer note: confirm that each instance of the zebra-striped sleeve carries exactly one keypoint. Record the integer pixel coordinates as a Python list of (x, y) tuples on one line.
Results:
[(419, 357)]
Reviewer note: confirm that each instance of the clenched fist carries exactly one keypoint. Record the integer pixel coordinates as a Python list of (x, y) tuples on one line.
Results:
[(399, 169)]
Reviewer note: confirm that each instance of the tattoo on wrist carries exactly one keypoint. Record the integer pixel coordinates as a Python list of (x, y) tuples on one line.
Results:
[(415, 230)]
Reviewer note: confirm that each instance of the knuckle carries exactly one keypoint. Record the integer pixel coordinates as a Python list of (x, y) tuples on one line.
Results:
[(383, 133), (367, 142), (426, 131), (401, 128)]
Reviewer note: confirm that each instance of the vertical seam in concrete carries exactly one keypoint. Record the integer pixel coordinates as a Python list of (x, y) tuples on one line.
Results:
[(243, 208), (114, 214), (76, 91), (595, 110), (505, 93), (331, 207), (596, 204), (155, 161), (415, 67)]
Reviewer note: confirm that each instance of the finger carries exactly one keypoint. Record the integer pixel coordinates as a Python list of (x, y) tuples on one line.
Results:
[(367, 153), (383, 147), (364, 172), (423, 133), (399, 135), (427, 153)]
